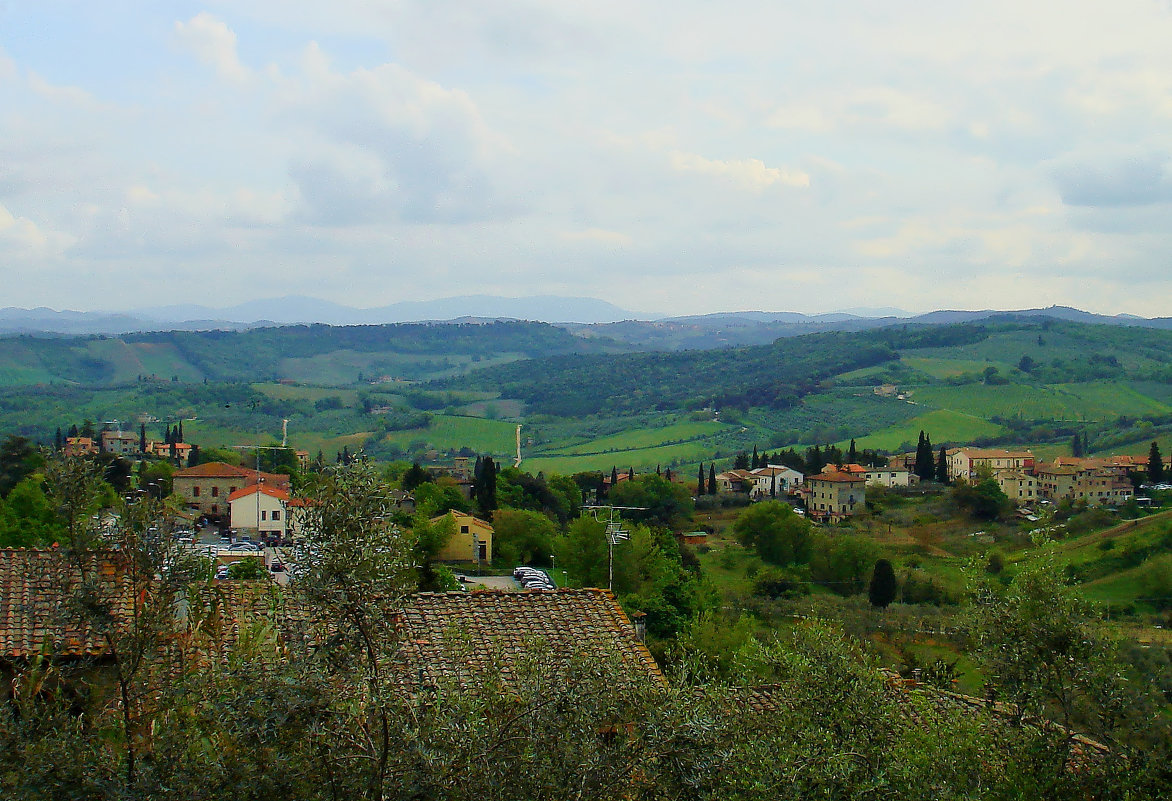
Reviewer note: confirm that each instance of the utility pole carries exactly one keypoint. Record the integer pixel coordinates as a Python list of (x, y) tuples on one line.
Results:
[(615, 533)]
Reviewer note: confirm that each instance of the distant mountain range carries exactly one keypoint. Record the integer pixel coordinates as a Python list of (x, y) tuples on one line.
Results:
[(584, 316)]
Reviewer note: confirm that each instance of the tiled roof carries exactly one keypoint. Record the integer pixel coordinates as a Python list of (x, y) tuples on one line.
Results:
[(264, 489), (461, 637), (225, 470), (36, 587), (462, 516), (837, 477), (995, 453)]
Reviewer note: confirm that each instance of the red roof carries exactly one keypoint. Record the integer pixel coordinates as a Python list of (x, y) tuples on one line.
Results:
[(225, 470), (264, 489), (838, 477)]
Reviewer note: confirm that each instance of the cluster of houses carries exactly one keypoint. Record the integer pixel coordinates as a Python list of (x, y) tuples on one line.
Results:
[(262, 505), (1096, 481), (839, 491)]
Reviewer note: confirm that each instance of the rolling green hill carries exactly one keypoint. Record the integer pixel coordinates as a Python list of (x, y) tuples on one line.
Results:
[(1024, 382)]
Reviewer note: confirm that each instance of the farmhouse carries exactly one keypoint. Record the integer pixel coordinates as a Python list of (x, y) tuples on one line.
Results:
[(205, 488), (470, 542), (834, 496)]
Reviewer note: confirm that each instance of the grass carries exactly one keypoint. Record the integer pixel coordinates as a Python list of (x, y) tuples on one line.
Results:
[(301, 392), (639, 458), (948, 368), (646, 438), (943, 425), (451, 432)]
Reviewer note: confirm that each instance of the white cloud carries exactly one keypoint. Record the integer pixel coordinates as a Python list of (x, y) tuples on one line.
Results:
[(751, 174), (214, 44)]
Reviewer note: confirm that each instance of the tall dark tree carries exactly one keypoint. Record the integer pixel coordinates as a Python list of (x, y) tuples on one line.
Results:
[(815, 461), (179, 433), (773, 486), (852, 455), (18, 459), (741, 461), (73, 430), (413, 476), (658, 472), (883, 586), (667, 474), (1076, 446), (1155, 464), (486, 488), (756, 459), (942, 466), (700, 481), (929, 460), (614, 476), (58, 441), (711, 479), (142, 437)]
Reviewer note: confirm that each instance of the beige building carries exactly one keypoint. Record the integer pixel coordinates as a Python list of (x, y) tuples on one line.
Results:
[(205, 488), (1093, 485), (890, 477), (967, 463), (470, 542), (261, 509), (1019, 487), (120, 442), (833, 496)]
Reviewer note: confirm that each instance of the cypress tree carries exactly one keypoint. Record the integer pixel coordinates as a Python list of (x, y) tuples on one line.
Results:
[(614, 476), (141, 437), (179, 432), (667, 474), (883, 584), (942, 467), (852, 455), (712, 479), (773, 486), (73, 430), (756, 459), (58, 441), (1076, 446), (1155, 465), (486, 488), (657, 471)]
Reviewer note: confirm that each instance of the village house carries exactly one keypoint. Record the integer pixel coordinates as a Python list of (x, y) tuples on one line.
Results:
[(735, 481), (1091, 484), (784, 479), (80, 446), (120, 442), (205, 488), (968, 463), (260, 509), (470, 542), (1020, 487), (834, 496), (890, 477)]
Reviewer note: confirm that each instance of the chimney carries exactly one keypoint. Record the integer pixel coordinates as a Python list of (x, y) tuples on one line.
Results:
[(639, 619)]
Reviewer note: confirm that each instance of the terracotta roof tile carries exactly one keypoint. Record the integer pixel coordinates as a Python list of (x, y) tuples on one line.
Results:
[(36, 589), (459, 637)]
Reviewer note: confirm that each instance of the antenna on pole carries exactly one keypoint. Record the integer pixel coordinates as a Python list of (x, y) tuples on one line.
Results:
[(615, 533)]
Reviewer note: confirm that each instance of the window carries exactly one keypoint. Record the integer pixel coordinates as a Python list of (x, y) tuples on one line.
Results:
[(215, 509), (463, 529), (276, 514), (215, 492), (195, 492), (231, 490), (264, 514)]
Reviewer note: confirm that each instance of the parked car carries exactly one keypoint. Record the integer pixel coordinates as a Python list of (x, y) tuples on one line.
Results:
[(244, 546), (277, 566)]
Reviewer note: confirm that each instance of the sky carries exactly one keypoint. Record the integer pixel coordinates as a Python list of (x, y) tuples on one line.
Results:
[(672, 157)]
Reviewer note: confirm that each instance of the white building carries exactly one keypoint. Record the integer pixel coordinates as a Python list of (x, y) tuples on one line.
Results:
[(890, 477), (788, 480), (260, 508)]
